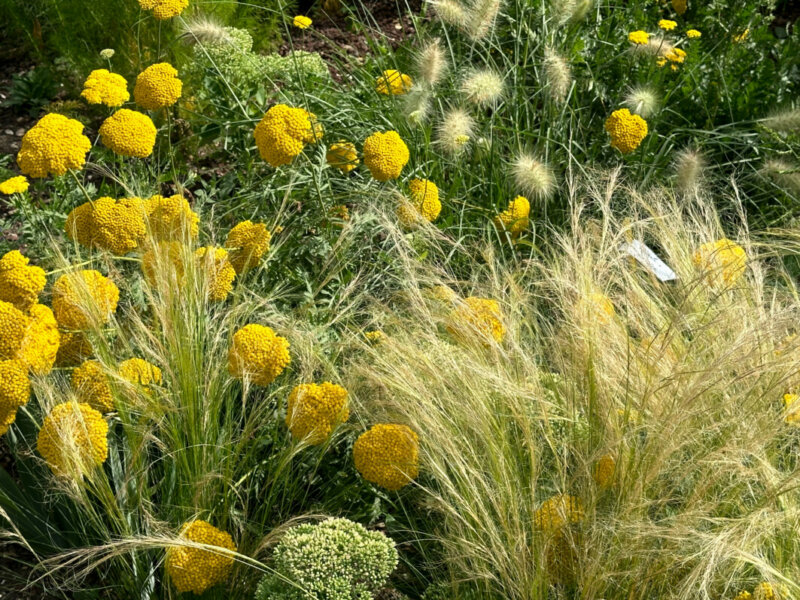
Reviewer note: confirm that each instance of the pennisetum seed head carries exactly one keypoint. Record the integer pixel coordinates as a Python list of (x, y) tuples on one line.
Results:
[(481, 18), (783, 173), (557, 74), (203, 29), (483, 87), (689, 166), (455, 131), (417, 104), (533, 177), (642, 100), (784, 121), (450, 12), (431, 63)]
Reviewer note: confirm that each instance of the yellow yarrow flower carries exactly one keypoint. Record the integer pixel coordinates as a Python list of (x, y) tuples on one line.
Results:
[(667, 25), (477, 318), (385, 155), (639, 37), (14, 185), (314, 411), (20, 283), (39, 345), (52, 146), (424, 196), (247, 243), (129, 133), (595, 308), (73, 348), (83, 299), (723, 261), (679, 6), (140, 372), (514, 219), (557, 512), (104, 87), (693, 34), (393, 83), (743, 595), (91, 386), (256, 353), (283, 132), (15, 391), (342, 155), (375, 337), (170, 218), (791, 409), (73, 439), (740, 37), (117, 226), (626, 130), (387, 455), (302, 22), (603, 472), (193, 569), (218, 270), (164, 9), (157, 87)]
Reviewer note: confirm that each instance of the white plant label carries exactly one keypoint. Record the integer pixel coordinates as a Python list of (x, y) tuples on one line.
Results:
[(649, 260)]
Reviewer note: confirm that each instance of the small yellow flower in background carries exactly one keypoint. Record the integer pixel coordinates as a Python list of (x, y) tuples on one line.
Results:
[(765, 591), (315, 411), (375, 336), (129, 133), (302, 22), (15, 391), (140, 372), (73, 439), (387, 455), (626, 130), (14, 185), (342, 155), (740, 37), (558, 512), (442, 293), (339, 213), (171, 218), (157, 87), (164, 9), (693, 34), (667, 25), (792, 409), (52, 146), (20, 283), (247, 242), (393, 83), (385, 155), (603, 472), (218, 270), (676, 55), (84, 298), (514, 219), (283, 132), (104, 87), (639, 37), (91, 386), (595, 307), (679, 6), (723, 261), (477, 318), (258, 354), (743, 595), (194, 569)]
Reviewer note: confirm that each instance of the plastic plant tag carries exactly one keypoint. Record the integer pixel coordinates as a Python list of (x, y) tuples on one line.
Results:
[(648, 259)]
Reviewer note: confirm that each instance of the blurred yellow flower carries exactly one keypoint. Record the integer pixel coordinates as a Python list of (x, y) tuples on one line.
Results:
[(302, 22), (393, 83), (667, 25), (639, 37)]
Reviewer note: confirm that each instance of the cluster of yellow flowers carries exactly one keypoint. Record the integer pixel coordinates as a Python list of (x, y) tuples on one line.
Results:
[(247, 243), (30, 337), (73, 439), (679, 6), (722, 261), (764, 591), (258, 354), (667, 25), (387, 455), (393, 83), (164, 9), (342, 155), (15, 391), (640, 38), (20, 282), (194, 569), (626, 130), (129, 133), (514, 219), (52, 146), (170, 218), (595, 307), (84, 299), (117, 226), (604, 470), (301, 22), (314, 411), (91, 386), (138, 371), (385, 155), (218, 270), (157, 87), (557, 512), (283, 132), (14, 185), (477, 318), (104, 87), (556, 518), (675, 56), (423, 203)]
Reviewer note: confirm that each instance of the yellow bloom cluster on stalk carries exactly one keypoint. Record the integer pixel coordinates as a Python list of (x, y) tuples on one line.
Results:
[(693, 33), (558, 511), (626, 130), (385, 155), (218, 270), (477, 319), (193, 569), (140, 372), (424, 196), (117, 226), (640, 38), (314, 411), (393, 83), (31, 337), (514, 219), (157, 87), (14, 185), (73, 439), (722, 261), (258, 354), (74, 347), (15, 391), (679, 6), (20, 283), (667, 25), (53, 146), (375, 336), (604, 470), (283, 132), (342, 155), (104, 87), (247, 243), (595, 307), (387, 455), (91, 386), (164, 9), (791, 409), (129, 133), (170, 218), (675, 56), (83, 299), (302, 22)]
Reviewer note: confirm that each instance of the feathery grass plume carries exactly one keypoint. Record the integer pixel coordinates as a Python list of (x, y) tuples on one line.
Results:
[(581, 9), (455, 131), (481, 18), (656, 45), (450, 12), (566, 11), (642, 100), (785, 121), (431, 62), (417, 105), (682, 387), (483, 87), (533, 177), (558, 75), (785, 174), (203, 29), (689, 166)]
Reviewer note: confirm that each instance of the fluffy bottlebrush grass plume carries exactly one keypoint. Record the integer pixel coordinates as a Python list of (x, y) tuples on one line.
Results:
[(481, 18), (533, 177), (681, 386), (785, 121), (203, 29), (451, 12), (431, 62), (417, 105), (455, 131), (558, 75), (483, 87), (689, 166), (783, 173), (642, 100)]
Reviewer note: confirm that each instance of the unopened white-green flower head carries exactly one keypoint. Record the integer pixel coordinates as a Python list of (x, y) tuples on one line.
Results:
[(107, 53), (643, 101)]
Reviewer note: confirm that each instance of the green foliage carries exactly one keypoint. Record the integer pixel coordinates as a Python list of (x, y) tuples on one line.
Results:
[(333, 560), (32, 90)]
